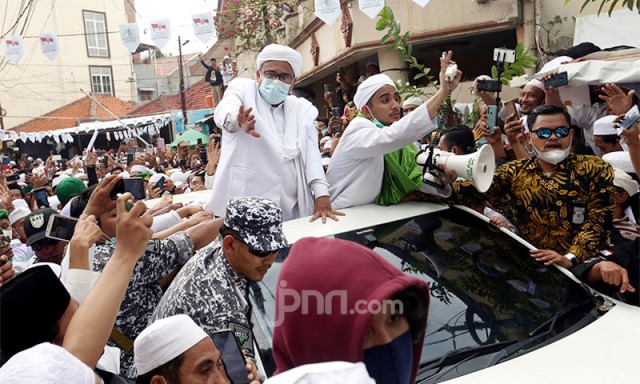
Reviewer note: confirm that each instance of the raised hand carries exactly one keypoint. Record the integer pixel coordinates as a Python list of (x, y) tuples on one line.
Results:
[(247, 121)]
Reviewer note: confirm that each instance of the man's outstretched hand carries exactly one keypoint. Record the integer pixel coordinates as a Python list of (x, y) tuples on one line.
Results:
[(322, 209), (247, 121)]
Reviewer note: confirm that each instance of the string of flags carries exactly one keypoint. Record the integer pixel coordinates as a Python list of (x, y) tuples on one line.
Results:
[(203, 28), (141, 125), (160, 33)]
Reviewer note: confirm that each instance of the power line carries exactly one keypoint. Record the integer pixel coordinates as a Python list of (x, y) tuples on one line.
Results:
[(18, 20)]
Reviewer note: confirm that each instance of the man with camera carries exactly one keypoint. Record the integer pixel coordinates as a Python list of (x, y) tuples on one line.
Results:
[(270, 141)]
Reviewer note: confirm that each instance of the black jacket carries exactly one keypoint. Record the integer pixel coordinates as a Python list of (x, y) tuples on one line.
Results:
[(207, 76)]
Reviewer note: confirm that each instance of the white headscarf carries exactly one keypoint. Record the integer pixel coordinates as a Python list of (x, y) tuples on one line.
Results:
[(335, 372), (164, 340), (369, 87), (46, 363), (277, 52)]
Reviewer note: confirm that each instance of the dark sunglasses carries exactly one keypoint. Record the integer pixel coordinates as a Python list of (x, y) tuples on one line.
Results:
[(545, 133), (224, 232), (37, 246)]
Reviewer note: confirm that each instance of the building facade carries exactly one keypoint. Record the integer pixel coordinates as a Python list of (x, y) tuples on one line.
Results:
[(91, 56)]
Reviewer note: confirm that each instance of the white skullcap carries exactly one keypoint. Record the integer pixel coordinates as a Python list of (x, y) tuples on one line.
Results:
[(46, 363), (412, 101), (20, 203), (277, 52), (29, 158), (369, 87), (604, 126), (179, 177), (623, 180), (327, 144), (18, 213), (12, 162), (139, 168), (124, 175), (156, 177), (57, 180), (554, 64), (324, 139), (164, 340), (226, 57), (334, 372), (620, 160), (536, 83), (38, 159)]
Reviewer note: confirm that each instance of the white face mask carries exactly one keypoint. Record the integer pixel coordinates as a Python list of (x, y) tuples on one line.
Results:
[(554, 156)]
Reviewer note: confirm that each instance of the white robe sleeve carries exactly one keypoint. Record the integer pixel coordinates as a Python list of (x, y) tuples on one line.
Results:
[(230, 105), (165, 221)]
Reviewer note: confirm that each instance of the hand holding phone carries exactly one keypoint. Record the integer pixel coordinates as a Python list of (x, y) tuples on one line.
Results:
[(42, 197), (61, 227), (492, 118), (134, 185), (629, 118), (234, 361), (511, 108), (557, 80)]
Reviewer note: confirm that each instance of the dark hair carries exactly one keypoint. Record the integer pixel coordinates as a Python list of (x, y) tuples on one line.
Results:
[(609, 139), (212, 59), (169, 370), (460, 136), (544, 110), (414, 310), (79, 203)]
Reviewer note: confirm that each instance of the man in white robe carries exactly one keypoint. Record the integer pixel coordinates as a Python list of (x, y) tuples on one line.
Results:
[(357, 165), (269, 141)]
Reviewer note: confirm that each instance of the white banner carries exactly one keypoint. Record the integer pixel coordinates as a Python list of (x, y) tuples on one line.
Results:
[(422, 3), (371, 8), (160, 32), (49, 45), (203, 26), (13, 49), (130, 36), (327, 10)]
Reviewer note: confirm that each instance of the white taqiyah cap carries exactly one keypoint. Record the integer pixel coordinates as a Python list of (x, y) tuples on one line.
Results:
[(604, 126), (164, 340), (369, 87), (623, 180), (46, 363), (277, 52)]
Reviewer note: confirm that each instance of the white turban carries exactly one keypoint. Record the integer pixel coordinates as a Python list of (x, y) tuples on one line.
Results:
[(536, 83), (619, 159), (412, 101), (164, 340), (369, 87), (46, 363), (18, 213), (604, 126), (277, 52)]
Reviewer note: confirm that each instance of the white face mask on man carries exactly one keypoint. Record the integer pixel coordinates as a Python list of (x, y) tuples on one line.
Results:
[(554, 156), (8, 233)]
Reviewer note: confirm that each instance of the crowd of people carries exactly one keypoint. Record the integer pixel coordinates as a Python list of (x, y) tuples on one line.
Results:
[(141, 286)]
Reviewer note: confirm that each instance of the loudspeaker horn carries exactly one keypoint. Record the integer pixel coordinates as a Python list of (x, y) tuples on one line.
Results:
[(477, 167)]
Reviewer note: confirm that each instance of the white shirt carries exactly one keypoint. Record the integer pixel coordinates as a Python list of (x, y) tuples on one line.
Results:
[(357, 165)]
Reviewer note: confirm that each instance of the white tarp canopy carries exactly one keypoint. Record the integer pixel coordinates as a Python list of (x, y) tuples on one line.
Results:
[(141, 125), (606, 32), (602, 72)]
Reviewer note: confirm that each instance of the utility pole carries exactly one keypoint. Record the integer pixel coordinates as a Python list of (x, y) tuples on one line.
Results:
[(183, 100), (2, 113)]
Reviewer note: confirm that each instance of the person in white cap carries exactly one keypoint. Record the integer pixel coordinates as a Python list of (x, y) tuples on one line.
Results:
[(411, 104), (23, 255), (271, 147), (626, 189), (176, 350), (228, 71), (605, 136), (358, 164)]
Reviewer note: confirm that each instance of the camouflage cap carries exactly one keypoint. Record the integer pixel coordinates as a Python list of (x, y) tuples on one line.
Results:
[(258, 221)]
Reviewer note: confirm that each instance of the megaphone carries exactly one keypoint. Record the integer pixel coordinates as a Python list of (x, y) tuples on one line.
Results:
[(477, 167)]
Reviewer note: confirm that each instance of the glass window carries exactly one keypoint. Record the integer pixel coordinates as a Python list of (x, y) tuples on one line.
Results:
[(101, 80), (95, 27)]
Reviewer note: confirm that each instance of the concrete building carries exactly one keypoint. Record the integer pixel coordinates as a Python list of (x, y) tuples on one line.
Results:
[(91, 56), (157, 77)]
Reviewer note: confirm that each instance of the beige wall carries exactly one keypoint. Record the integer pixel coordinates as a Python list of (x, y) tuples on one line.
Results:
[(37, 85)]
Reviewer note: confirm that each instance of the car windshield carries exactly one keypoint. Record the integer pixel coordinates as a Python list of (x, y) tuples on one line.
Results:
[(485, 288)]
